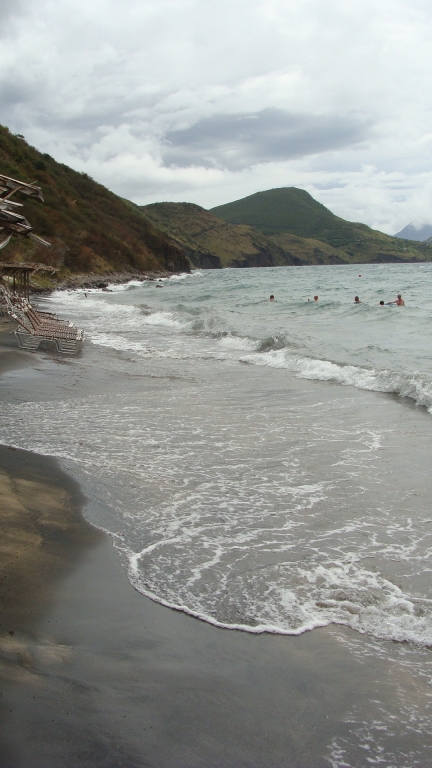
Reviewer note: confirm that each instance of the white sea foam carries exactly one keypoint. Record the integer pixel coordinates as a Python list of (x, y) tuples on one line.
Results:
[(167, 319), (238, 343), (183, 276), (120, 287), (415, 385), (341, 594), (120, 343)]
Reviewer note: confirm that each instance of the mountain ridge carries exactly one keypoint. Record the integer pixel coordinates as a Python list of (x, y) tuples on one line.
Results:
[(295, 211), (212, 243), (224, 236)]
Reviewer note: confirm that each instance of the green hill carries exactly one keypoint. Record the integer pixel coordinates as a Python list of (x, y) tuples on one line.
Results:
[(282, 210), (278, 212), (90, 229), (211, 243)]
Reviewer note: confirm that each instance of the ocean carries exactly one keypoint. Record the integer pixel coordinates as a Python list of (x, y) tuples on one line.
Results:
[(263, 466)]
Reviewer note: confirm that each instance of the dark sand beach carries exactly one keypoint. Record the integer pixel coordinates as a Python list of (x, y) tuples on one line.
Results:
[(95, 674)]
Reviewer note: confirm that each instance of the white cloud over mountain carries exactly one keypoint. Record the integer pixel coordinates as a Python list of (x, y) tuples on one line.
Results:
[(209, 101)]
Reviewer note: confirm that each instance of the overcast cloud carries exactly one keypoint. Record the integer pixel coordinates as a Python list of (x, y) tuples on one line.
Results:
[(210, 101), (240, 141)]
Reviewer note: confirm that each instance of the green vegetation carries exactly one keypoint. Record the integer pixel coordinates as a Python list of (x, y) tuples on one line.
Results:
[(290, 211), (282, 210), (90, 229), (212, 242)]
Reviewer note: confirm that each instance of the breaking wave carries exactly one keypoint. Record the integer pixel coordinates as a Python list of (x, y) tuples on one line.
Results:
[(415, 385)]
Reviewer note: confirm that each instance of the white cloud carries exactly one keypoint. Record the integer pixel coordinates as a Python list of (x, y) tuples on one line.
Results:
[(103, 86)]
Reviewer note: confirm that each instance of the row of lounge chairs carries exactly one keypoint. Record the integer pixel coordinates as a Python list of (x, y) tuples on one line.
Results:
[(35, 326)]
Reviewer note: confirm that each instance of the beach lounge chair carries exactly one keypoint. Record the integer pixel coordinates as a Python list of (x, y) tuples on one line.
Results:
[(35, 327)]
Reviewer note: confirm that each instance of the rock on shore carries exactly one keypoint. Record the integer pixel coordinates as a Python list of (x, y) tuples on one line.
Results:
[(101, 280)]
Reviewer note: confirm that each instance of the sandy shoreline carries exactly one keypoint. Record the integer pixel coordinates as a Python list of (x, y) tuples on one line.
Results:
[(82, 652), (95, 674), (43, 535)]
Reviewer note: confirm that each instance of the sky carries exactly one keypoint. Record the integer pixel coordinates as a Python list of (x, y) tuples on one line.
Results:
[(208, 101)]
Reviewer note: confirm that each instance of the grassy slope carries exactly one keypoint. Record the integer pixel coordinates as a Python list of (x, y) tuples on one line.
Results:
[(278, 212), (212, 243), (90, 228)]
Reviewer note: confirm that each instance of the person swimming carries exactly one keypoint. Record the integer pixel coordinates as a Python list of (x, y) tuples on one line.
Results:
[(382, 303), (357, 300), (272, 298), (315, 298), (399, 302)]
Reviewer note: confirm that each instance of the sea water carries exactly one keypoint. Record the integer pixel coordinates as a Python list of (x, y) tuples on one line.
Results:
[(249, 507), (264, 466)]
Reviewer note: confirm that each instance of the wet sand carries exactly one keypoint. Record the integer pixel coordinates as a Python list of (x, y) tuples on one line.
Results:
[(95, 674), (10, 356)]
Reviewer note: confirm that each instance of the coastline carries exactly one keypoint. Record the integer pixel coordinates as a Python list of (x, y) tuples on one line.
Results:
[(96, 674), (43, 536), (94, 280), (81, 652)]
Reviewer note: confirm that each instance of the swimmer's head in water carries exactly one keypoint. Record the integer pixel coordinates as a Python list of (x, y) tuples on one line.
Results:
[(315, 298), (382, 303), (356, 300), (272, 298)]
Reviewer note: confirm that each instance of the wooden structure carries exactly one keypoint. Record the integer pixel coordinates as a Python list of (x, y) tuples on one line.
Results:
[(34, 326), (12, 222), (19, 272)]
